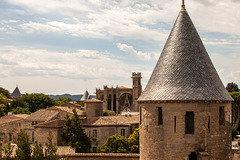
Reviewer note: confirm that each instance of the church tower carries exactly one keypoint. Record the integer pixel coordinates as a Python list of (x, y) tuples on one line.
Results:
[(185, 110), (137, 88)]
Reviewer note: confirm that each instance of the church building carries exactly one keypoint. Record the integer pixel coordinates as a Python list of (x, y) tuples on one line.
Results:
[(121, 98), (185, 110)]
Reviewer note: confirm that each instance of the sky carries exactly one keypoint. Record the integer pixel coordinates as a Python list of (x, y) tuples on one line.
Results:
[(68, 46)]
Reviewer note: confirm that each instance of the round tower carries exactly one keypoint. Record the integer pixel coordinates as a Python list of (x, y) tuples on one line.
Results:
[(185, 111)]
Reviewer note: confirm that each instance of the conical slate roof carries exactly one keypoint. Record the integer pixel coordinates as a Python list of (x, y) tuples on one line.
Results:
[(16, 93), (184, 70), (86, 96)]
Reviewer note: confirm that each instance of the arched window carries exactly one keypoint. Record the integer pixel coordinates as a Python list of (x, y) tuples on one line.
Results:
[(189, 123), (109, 102), (114, 103)]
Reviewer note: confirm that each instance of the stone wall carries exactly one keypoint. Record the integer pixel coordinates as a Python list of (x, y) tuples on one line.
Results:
[(103, 156), (164, 143)]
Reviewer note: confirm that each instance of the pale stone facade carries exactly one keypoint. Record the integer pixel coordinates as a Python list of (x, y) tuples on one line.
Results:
[(121, 98)]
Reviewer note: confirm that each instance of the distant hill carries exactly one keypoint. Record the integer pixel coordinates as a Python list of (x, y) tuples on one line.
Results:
[(73, 97)]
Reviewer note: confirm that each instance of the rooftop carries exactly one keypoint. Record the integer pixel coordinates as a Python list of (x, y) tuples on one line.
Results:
[(184, 70)]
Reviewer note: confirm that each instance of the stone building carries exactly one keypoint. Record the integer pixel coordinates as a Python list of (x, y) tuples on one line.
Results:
[(38, 124), (10, 126), (185, 111), (121, 98)]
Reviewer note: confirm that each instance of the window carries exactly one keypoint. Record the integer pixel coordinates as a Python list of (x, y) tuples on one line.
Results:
[(209, 124), (32, 123), (32, 136), (123, 132), (160, 118), (189, 123), (221, 116), (10, 137), (89, 134), (94, 149), (95, 133), (175, 124), (1, 136)]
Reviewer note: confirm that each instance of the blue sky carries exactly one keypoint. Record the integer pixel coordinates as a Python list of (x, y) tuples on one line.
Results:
[(66, 46)]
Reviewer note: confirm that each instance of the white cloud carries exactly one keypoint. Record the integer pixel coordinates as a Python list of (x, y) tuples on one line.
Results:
[(145, 20), (82, 64), (131, 50)]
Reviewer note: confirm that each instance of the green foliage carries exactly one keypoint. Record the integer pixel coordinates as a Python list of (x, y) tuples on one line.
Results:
[(24, 147), (38, 152), (3, 99), (62, 100), (232, 87), (18, 103), (20, 110), (82, 103), (108, 113), (120, 144), (133, 141), (5, 92), (235, 108), (37, 101), (3, 110), (51, 149), (234, 133), (7, 151), (116, 144), (74, 134)]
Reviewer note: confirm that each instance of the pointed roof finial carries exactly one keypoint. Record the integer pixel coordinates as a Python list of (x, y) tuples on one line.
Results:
[(183, 6)]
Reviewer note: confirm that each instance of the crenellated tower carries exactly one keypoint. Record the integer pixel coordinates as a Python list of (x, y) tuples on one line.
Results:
[(137, 88)]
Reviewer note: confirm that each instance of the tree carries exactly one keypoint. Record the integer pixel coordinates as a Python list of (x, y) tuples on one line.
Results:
[(18, 103), (133, 141), (235, 109), (24, 147), (38, 151), (5, 92), (37, 101), (2, 110), (75, 135), (120, 144), (3, 99), (116, 144), (108, 113), (51, 149), (62, 100), (232, 87), (20, 110), (7, 151)]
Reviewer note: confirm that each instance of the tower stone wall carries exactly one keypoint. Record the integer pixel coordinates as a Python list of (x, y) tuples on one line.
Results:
[(169, 140)]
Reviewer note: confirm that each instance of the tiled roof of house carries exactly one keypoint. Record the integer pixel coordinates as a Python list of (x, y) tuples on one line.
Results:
[(42, 115), (67, 109), (93, 100), (184, 70), (13, 117), (115, 120)]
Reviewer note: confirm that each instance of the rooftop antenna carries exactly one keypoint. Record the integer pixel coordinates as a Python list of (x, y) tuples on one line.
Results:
[(183, 6)]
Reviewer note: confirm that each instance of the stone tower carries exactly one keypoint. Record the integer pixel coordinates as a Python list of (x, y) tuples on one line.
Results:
[(137, 88), (185, 110)]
